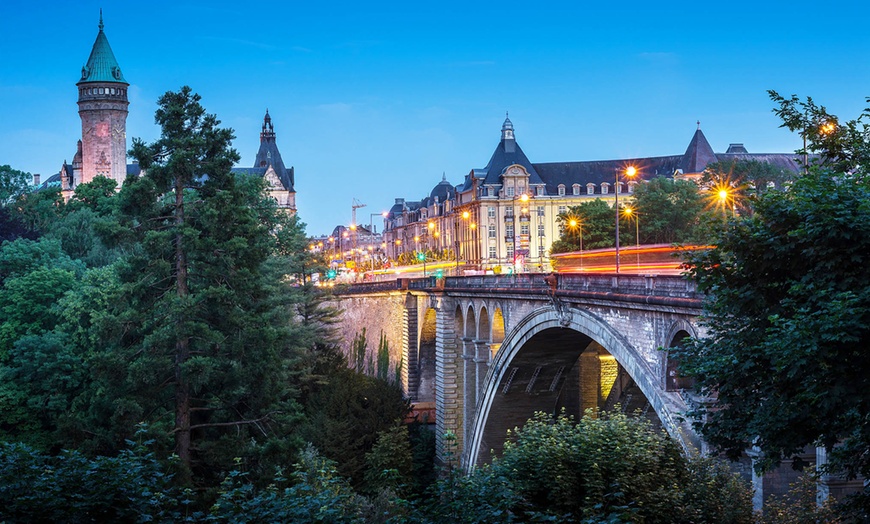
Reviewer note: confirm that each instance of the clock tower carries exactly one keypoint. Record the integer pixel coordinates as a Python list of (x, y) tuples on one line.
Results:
[(103, 110)]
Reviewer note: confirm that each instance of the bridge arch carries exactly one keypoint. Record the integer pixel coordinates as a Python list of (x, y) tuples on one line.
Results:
[(532, 365), (676, 337)]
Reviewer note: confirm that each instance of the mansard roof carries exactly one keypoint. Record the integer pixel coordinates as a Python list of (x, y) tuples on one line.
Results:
[(507, 153), (102, 66), (604, 171), (444, 190)]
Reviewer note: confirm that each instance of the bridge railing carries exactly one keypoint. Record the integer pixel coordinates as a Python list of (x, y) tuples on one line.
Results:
[(650, 285)]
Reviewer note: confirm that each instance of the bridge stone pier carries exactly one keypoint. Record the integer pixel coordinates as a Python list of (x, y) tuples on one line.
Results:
[(489, 351)]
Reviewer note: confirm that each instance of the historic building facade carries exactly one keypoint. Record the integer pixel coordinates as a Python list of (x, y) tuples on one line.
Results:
[(102, 150), (505, 214)]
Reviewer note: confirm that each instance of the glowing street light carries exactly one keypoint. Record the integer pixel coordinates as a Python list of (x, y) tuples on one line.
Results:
[(630, 172), (629, 212)]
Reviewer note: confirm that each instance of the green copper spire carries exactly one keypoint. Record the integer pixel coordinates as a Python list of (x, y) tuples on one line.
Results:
[(102, 66)]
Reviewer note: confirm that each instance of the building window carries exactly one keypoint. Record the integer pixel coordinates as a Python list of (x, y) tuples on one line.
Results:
[(509, 231), (542, 251), (540, 211), (490, 211), (590, 189), (509, 211), (524, 229), (605, 188), (489, 191), (631, 187), (509, 192), (540, 230), (619, 187), (562, 209), (575, 189), (492, 231), (561, 189), (491, 251), (510, 251), (539, 190)]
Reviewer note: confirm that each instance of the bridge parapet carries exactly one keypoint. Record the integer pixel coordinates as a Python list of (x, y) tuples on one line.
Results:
[(629, 285)]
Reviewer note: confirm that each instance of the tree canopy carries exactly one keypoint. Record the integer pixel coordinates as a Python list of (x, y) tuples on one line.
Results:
[(788, 319)]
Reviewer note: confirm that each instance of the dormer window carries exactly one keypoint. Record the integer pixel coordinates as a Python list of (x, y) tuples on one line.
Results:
[(619, 187), (561, 189), (539, 190), (590, 189), (575, 189), (605, 188)]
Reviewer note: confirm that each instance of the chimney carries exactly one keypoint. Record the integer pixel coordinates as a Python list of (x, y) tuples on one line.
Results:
[(36, 179)]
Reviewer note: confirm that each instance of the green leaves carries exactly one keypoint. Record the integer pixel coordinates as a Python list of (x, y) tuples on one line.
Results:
[(788, 320)]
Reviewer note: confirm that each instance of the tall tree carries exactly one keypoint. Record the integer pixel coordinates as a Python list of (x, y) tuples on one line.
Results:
[(204, 329), (789, 324)]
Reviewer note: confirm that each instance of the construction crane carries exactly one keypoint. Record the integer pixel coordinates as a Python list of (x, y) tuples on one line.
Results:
[(356, 205)]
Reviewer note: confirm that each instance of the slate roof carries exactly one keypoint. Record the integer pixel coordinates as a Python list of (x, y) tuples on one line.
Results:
[(444, 190), (698, 154), (102, 66), (268, 154), (603, 171), (507, 153)]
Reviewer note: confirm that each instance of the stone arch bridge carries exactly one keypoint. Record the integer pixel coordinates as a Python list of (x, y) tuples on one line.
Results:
[(489, 351)]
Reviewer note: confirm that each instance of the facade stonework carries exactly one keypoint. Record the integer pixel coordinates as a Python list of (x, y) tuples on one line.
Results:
[(505, 216)]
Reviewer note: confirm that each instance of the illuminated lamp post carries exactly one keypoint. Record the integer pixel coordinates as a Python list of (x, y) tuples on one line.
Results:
[(629, 212), (630, 171)]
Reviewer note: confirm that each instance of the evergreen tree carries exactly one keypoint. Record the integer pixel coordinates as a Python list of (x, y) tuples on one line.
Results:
[(202, 341)]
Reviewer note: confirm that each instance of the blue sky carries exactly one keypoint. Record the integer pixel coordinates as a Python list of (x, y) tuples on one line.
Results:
[(376, 100)]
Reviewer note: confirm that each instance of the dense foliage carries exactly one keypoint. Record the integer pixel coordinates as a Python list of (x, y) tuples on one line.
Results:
[(788, 319)]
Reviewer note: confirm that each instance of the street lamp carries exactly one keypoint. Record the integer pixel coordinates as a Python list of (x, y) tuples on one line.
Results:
[(630, 171), (629, 212), (372, 225)]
